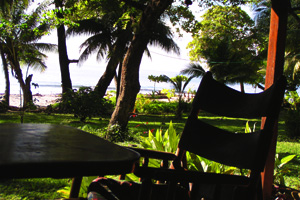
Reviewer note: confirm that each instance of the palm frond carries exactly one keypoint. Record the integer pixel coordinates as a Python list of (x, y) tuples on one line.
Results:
[(89, 27), (162, 36), (193, 69)]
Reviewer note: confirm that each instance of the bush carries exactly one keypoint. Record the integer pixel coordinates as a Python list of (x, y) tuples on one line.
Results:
[(115, 134), (157, 107), (84, 103), (3, 106), (292, 117)]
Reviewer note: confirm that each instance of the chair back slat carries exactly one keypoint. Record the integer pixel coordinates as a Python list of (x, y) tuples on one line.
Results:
[(217, 98), (243, 150)]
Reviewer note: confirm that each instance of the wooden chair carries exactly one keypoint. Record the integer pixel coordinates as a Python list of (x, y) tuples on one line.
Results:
[(242, 150)]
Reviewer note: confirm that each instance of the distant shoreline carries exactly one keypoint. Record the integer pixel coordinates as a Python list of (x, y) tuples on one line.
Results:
[(42, 100)]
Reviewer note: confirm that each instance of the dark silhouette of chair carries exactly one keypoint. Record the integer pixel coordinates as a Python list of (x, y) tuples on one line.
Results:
[(242, 150)]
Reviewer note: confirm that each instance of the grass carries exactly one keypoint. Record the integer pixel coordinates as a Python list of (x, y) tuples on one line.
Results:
[(138, 126)]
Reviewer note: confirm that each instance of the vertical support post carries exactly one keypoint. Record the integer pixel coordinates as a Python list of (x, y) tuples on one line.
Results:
[(75, 188), (275, 64)]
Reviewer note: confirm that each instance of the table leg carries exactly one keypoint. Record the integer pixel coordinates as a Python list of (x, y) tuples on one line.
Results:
[(75, 188)]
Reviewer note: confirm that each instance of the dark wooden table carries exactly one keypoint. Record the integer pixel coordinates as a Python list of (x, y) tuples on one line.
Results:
[(45, 150)]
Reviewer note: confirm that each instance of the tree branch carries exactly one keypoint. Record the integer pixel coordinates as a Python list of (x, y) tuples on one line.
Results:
[(73, 61)]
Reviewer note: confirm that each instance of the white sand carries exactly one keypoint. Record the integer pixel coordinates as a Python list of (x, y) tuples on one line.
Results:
[(38, 99)]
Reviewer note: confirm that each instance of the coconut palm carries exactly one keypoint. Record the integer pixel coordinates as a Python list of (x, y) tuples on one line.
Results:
[(112, 41), (20, 33), (179, 83)]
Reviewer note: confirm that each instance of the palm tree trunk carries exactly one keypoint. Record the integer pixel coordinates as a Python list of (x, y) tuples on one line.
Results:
[(242, 87), (25, 86), (63, 60), (107, 76), (27, 94), (6, 74), (62, 52), (115, 59), (130, 85)]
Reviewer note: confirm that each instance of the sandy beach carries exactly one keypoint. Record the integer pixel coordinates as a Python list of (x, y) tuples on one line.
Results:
[(39, 99)]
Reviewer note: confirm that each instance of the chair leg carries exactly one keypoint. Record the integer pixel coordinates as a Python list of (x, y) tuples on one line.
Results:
[(171, 190), (75, 188), (145, 190)]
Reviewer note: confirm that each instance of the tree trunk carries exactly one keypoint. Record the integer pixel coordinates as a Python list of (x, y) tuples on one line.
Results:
[(62, 52), (130, 85), (242, 87), (63, 60), (6, 74), (25, 86), (116, 57), (27, 94), (107, 76)]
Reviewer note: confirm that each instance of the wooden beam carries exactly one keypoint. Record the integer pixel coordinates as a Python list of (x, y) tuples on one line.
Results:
[(275, 64)]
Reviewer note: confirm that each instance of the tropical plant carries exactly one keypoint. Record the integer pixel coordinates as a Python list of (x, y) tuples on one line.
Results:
[(156, 79), (169, 92), (111, 33), (292, 116), (193, 69), (84, 103), (179, 83), (226, 39), (280, 168), (166, 142), (19, 35)]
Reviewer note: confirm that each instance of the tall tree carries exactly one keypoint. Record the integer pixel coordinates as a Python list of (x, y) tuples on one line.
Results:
[(226, 39), (111, 33), (130, 85), (60, 8), (19, 35)]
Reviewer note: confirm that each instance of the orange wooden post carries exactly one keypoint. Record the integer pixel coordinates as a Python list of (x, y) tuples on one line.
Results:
[(275, 64)]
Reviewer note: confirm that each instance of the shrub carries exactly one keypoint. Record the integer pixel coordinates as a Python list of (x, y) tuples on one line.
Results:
[(292, 117), (114, 133), (3, 106), (158, 107), (84, 103)]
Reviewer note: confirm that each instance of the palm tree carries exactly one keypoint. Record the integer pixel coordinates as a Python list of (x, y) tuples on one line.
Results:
[(179, 83), (20, 33), (115, 39), (6, 6), (64, 60)]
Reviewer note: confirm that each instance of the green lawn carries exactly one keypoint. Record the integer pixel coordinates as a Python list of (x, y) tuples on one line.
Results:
[(138, 126)]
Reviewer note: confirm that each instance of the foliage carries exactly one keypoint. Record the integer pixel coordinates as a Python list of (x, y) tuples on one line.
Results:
[(166, 142), (197, 163), (169, 92), (156, 107), (19, 36), (3, 106), (141, 101), (226, 40), (292, 117), (281, 169), (179, 83), (115, 133), (156, 79), (160, 141), (84, 103)]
